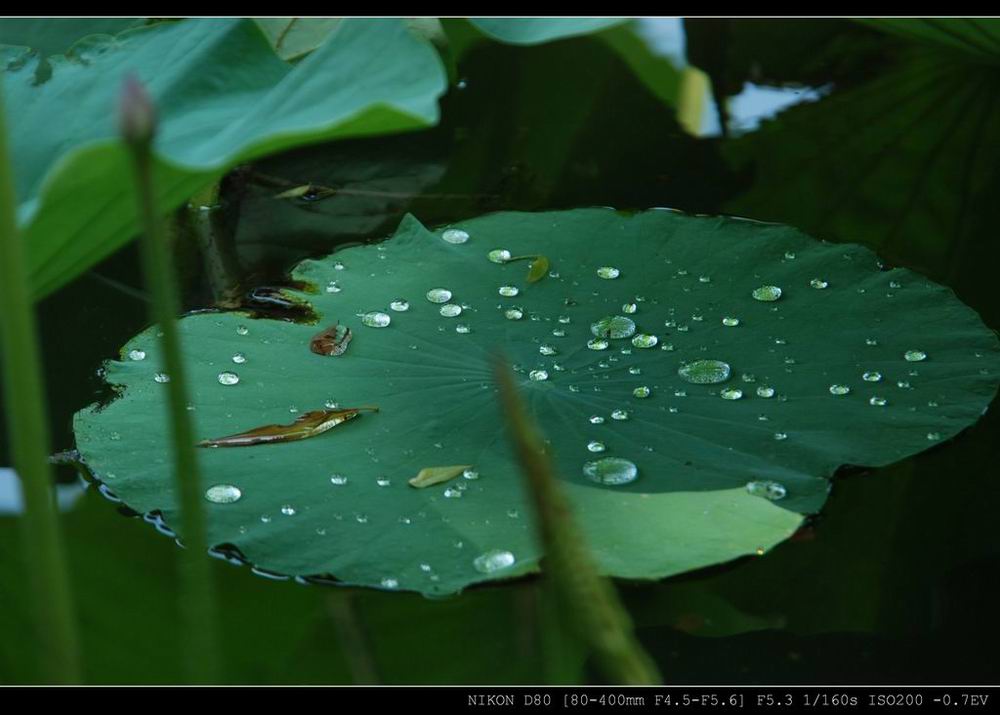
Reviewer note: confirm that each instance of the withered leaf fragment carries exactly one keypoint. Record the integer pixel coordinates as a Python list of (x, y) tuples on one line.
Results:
[(295, 192), (538, 268), (308, 425), (332, 341), (429, 476)]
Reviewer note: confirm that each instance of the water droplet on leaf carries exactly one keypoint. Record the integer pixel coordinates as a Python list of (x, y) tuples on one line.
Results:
[(376, 319), (439, 295), (223, 494), (493, 561), (613, 326), (455, 236), (611, 471), (767, 489), (766, 293), (704, 372)]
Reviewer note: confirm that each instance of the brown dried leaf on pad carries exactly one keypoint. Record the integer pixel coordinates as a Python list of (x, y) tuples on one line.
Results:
[(332, 341), (308, 425)]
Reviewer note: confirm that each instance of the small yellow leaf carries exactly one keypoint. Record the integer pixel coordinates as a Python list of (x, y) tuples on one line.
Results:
[(429, 476), (295, 193), (538, 269)]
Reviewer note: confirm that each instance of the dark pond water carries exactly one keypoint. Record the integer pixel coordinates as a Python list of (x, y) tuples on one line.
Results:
[(895, 582)]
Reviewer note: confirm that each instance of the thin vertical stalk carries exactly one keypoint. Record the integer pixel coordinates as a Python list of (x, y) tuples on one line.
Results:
[(588, 602), (198, 610), (212, 222), (355, 645), (27, 421)]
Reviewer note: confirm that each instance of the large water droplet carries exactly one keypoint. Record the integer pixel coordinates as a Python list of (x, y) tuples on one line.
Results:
[(613, 326), (608, 272), (455, 235), (439, 295), (612, 471), (642, 340), (223, 493), (704, 372), (768, 294), (450, 310), (767, 489), (493, 561), (508, 291), (400, 305), (376, 319), (915, 355), (228, 378)]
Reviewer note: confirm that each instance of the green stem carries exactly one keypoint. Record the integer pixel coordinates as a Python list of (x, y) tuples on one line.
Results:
[(28, 427), (587, 601), (198, 611)]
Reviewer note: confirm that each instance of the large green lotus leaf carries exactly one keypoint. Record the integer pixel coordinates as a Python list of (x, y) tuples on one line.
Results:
[(977, 36), (224, 98), (533, 30), (55, 35), (694, 451), (906, 157)]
